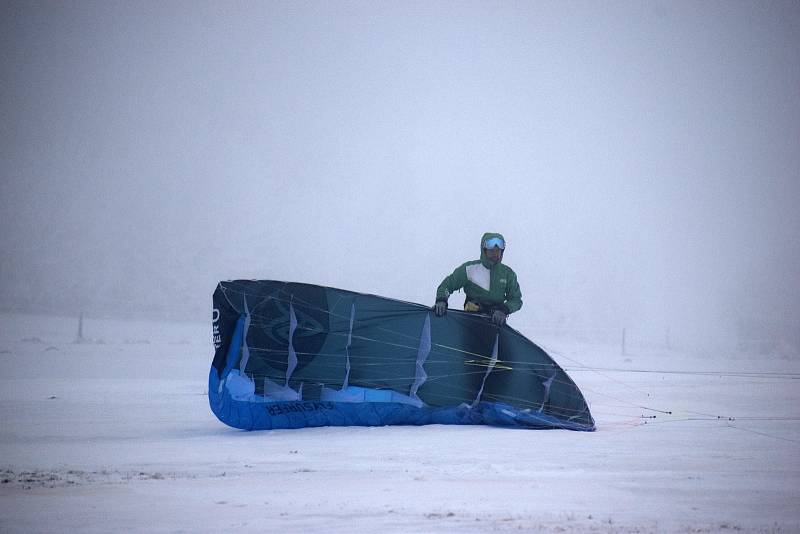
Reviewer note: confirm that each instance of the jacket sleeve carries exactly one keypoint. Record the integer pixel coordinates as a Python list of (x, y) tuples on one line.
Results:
[(513, 294), (451, 283)]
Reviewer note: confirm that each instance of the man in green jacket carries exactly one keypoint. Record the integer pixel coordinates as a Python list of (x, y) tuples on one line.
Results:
[(491, 287)]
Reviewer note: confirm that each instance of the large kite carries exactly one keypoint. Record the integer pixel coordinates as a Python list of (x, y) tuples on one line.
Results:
[(291, 355)]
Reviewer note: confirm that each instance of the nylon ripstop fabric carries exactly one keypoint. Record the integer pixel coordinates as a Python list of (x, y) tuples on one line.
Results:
[(290, 355)]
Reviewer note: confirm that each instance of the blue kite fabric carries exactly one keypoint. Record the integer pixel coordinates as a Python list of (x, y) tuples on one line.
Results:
[(293, 355)]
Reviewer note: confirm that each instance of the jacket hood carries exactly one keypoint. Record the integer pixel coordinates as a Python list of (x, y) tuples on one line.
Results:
[(484, 260)]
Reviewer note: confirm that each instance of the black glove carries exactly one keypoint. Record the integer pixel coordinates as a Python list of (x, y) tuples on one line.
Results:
[(499, 318), (440, 308)]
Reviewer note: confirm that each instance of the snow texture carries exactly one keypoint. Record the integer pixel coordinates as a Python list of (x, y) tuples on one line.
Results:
[(113, 432)]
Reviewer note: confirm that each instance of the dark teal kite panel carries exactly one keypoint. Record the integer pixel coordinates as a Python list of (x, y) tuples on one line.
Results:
[(292, 355)]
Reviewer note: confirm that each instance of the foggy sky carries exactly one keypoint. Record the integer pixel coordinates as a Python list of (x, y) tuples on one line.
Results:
[(641, 158)]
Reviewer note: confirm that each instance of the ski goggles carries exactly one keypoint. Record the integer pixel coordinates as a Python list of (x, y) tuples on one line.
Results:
[(494, 242)]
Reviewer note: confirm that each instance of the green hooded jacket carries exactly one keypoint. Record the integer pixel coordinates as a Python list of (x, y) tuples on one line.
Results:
[(490, 286)]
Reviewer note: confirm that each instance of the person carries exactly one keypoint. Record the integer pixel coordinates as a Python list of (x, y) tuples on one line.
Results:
[(491, 286)]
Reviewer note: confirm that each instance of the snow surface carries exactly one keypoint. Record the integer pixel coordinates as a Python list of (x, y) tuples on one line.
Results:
[(114, 433)]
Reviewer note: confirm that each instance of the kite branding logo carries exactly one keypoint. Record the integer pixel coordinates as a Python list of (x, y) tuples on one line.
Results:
[(271, 324), (278, 328), (307, 326), (298, 407), (216, 337)]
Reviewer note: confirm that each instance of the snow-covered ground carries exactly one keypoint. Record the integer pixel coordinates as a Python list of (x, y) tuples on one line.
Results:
[(115, 434)]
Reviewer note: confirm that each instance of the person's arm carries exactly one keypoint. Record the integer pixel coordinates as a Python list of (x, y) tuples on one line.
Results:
[(513, 294), (451, 283)]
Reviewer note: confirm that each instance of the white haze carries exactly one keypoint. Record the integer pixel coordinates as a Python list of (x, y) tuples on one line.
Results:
[(641, 158)]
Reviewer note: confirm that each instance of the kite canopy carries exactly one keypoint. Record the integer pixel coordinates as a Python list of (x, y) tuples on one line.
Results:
[(291, 355)]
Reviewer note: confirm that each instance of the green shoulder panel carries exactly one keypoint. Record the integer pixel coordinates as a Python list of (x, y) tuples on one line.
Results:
[(455, 281)]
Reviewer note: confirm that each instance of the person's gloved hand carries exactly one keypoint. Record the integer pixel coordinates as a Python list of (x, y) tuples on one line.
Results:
[(440, 308), (499, 318)]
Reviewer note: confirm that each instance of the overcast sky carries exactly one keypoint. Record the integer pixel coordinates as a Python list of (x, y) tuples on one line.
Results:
[(641, 158)]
